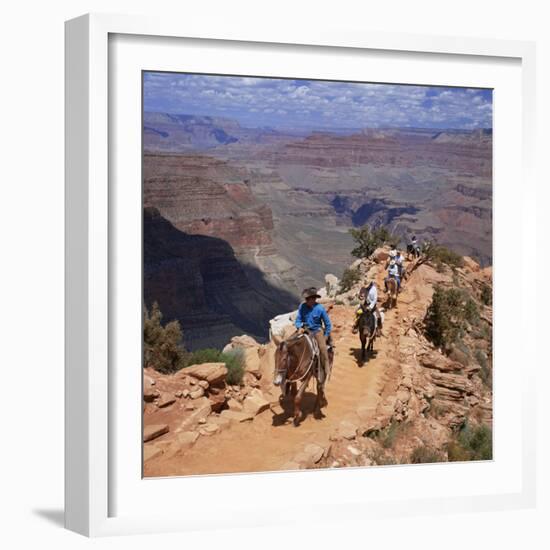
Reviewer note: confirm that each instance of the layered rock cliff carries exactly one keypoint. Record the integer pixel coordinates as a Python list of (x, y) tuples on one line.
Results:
[(199, 280)]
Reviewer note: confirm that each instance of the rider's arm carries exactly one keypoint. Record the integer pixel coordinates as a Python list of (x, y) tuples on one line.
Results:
[(372, 298), (299, 323), (326, 320)]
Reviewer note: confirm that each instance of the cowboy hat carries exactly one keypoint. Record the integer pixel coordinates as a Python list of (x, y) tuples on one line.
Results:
[(309, 292)]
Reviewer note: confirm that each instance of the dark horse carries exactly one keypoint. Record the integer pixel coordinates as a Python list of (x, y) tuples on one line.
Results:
[(296, 362), (366, 325), (413, 250), (367, 332)]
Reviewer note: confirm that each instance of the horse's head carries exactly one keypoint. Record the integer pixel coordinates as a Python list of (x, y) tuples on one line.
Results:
[(287, 356), (282, 359)]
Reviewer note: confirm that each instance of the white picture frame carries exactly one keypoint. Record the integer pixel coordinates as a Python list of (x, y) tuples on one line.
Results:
[(94, 441)]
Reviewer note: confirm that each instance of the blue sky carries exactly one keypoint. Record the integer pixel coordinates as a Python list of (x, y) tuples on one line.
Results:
[(311, 104)]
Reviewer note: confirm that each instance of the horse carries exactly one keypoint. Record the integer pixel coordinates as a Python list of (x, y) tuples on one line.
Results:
[(391, 289), (296, 362), (413, 250), (367, 331)]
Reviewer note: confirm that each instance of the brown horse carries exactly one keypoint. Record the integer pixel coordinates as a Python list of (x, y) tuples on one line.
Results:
[(391, 289), (296, 362)]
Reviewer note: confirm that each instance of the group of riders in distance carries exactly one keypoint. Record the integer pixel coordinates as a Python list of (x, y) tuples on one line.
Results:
[(309, 351)]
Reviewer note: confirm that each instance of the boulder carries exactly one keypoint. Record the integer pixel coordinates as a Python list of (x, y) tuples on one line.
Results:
[(154, 430), (195, 394), (165, 399), (213, 373), (150, 393), (202, 408), (209, 429), (332, 284), (311, 454), (243, 341), (203, 384), (255, 403), (347, 430), (314, 452)]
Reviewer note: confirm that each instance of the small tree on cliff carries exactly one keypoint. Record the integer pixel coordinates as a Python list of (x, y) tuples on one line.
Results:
[(368, 240), (350, 277), (448, 314), (161, 344)]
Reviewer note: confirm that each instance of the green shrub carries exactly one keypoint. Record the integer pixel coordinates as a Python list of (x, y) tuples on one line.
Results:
[(448, 314), (471, 443), (350, 277), (441, 256), (387, 436), (162, 345), (486, 296), (368, 240), (486, 372), (424, 455), (234, 361)]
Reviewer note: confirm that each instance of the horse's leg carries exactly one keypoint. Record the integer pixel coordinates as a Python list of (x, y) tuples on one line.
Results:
[(298, 400), (363, 342), (320, 401)]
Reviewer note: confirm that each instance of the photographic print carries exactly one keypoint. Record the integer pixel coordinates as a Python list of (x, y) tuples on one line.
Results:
[(317, 274)]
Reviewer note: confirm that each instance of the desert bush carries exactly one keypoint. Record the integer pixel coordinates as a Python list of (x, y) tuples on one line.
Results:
[(486, 372), (162, 345), (471, 443), (486, 295), (234, 361), (350, 277), (424, 455), (388, 435), (442, 256), (447, 316), (368, 240)]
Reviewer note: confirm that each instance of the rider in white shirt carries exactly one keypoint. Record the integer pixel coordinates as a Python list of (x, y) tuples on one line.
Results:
[(393, 272), (399, 260), (370, 296)]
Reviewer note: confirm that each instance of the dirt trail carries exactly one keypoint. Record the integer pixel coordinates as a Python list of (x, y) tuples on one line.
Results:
[(268, 442)]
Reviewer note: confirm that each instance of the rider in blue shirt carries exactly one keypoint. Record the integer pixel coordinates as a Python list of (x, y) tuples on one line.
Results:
[(314, 317)]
